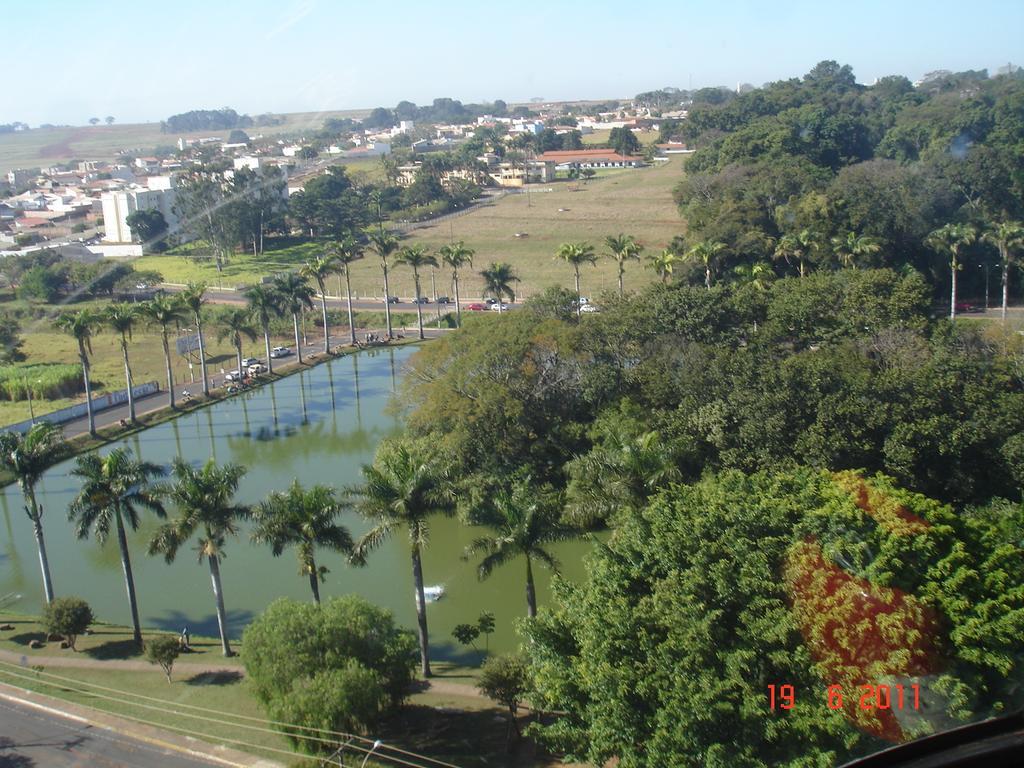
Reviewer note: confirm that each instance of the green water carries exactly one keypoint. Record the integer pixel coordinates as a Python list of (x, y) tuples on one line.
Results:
[(319, 426)]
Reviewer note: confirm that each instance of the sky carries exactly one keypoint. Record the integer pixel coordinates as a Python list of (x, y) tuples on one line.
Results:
[(143, 61)]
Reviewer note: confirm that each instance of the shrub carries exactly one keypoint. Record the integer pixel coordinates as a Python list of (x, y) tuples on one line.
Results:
[(68, 617), (47, 381), (163, 650), (504, 680)]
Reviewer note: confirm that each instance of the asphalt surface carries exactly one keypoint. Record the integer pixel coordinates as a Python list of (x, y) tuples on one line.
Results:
[(31, 737)]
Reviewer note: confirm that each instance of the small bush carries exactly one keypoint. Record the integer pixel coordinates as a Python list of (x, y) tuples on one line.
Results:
[(505, 680), (163, 650), (68, 617)]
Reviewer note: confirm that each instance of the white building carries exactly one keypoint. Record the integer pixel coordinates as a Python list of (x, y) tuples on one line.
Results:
[(119, 205)]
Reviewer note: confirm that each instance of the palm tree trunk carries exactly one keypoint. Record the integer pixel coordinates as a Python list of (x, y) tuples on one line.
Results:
[(37, 529), (314, 582), (238, 354), (167, 360), (801, 266), (419, 306), (218, 594), (202, 356), (348, 298), (707, 278), (421, 611), (1006, 282), (387, 300), (323, 308), (531, 592), (128, 378), (88, 388), (266, 344), (298, 345), (458, 304), (952, 292), (578, 294), (129, 580), (622, 271)]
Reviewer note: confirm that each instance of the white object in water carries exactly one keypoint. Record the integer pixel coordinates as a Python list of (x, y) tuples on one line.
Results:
[(432, 594)]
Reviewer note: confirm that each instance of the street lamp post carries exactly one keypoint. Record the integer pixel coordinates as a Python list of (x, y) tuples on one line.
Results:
[(376, 745)]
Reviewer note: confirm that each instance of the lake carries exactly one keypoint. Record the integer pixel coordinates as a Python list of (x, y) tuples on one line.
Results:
[(319, 426)]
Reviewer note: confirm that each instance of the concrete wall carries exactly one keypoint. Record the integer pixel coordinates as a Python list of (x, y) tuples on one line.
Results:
[(100, 403)]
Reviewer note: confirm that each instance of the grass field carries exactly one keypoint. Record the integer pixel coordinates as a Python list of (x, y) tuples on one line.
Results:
[(637, 202), (45, 146)]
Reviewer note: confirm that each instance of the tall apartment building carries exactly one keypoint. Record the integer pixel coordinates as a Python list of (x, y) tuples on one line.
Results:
[(118, 206)]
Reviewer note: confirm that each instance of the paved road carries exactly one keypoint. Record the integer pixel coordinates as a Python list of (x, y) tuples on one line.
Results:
[(32, 737)]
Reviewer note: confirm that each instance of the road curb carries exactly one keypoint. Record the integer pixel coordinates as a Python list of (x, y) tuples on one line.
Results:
[(178, 743)]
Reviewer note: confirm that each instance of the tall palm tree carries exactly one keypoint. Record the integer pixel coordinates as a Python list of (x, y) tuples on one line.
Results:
[(457, 255), (206, 506), (950, 239), (82, 325), (343, 255), (851, 246), (122, 319), (707, 252), (498, 279), (114, 488), (403, 488), (416, 257), (384, 244), (759, 274), (27, 457), (800, 246), (1007, 236), (622, 248), (317, 269), (524, 522), (264, 304), (233, 324), (576, 254), (662, 263), (305, 519), (165, 311), (294, 294), (193, 299)]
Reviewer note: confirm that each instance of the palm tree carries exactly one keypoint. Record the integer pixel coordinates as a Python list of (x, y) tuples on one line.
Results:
[(662, 263), (264, 304), (206, 505), (294, 294), (343, 255), (81, 325), (417, 256), (317, 269), (950, 239), (193, 298), (456, 256), (623, 248), (524, 522), (576, 254), (403, 488), (122, 319), (384, 244), (849, 247), (27, 457), (233, 324), (114, 488), (799, 246), (164, 311), (305, 519), (706, 252), (1007, 236), (759, 274), (498, 279)]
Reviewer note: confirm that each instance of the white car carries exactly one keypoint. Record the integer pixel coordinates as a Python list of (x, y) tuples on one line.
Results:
[(499, 307), (257, 368), (277, 352), (234, 375), (247, 361)]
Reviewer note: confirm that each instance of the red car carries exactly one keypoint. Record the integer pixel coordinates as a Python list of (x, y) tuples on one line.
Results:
[(476, 307)]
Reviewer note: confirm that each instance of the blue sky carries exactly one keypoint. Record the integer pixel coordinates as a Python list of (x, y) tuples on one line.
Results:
[(143, 60)]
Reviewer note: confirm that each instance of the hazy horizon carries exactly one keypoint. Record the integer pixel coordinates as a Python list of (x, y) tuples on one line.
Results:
[(309, 56)]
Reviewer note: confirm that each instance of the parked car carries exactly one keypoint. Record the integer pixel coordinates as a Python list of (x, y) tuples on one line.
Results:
[(499, 307), (476, 306), (964, 306), (443, 300), (277, 352), (394, 300), (421, 300), (491, 300), (234, 375), (256, 369), (247, 361)]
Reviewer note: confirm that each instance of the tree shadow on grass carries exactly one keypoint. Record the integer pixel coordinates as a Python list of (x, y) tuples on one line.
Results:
[(27, 637), (175, 621), (113, 649), (214, 678)]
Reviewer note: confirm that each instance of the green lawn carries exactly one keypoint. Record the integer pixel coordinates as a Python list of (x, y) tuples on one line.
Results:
[(637, 202)]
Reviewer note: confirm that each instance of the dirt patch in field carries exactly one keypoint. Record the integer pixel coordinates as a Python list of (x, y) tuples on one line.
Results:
[(61, 149)]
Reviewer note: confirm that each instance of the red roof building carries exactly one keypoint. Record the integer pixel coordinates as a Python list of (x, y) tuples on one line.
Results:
[(591, 158)]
